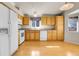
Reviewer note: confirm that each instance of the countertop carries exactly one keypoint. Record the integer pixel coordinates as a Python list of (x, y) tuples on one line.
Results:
[(37, 28)]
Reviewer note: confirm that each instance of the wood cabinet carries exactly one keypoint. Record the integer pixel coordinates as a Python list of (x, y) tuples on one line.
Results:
[(37, 35), (54, 35), (60, 27), (49, 20), (32, 35), (20, 17), (27, 35), (53, 20), (26, 20), (44, 20), (51, 35)]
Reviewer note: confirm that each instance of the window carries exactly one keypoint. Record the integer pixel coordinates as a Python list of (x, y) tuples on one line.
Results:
[(35, 21), (73, 23)]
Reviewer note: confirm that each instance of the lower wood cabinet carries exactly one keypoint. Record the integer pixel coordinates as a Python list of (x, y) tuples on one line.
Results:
[(27, 35), (54, 35), (37, 35), (51, 35), (32, 35)]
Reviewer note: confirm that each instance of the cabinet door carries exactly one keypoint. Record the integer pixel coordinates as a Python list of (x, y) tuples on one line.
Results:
[(32, 35), (53, 35), (26, 21), (49, 35), (4, 16), (59, 22), (49, 19), (27, 35), (53, 21), (44, 20), (37, 35)]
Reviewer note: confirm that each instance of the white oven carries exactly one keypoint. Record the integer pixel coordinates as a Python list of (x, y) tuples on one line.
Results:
[(22, 36)]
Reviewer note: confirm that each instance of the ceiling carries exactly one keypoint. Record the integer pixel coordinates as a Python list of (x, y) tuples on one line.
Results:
[(39, 7)]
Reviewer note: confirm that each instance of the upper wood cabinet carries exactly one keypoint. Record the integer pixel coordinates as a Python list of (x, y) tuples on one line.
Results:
[(26, 20), (20, 17), (44, 20), (49, 20), (53, 20), (60, 27)]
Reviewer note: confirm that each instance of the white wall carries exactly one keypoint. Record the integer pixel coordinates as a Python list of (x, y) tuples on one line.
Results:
[(72, 37)]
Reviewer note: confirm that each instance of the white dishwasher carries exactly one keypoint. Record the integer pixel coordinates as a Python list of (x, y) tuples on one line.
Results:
[(43, 35)]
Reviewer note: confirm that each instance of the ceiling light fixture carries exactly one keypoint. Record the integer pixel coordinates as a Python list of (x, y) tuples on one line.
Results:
[(35, 14), (66, 6)]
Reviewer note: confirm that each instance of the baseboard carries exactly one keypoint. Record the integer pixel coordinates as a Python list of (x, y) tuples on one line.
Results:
[(14, 52), (71, 42), (21, 43)]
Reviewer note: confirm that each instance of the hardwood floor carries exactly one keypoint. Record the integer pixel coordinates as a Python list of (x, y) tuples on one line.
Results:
[(47, 48)]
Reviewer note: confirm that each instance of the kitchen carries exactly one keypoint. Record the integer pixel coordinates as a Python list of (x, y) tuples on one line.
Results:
[(24, 26)]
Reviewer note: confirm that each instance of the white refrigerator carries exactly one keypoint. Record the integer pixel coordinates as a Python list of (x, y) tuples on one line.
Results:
[(8, 31)]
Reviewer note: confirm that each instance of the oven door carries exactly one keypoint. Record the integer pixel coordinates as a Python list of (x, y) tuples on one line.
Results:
[(22, 36)]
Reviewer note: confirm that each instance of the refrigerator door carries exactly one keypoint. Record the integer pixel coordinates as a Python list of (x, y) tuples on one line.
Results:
[(13, 32), (4, 45)]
